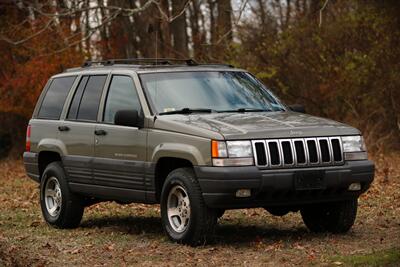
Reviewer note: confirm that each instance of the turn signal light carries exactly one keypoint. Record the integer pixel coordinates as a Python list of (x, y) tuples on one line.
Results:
[(218, 149)]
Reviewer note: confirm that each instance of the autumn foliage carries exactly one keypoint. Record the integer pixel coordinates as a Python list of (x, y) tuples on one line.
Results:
[(26, 68)]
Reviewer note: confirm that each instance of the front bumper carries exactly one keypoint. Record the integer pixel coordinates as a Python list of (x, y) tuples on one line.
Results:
[(277, 187)]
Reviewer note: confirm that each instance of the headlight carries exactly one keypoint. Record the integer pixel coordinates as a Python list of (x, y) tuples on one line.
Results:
[(232, 153), (354, 148), (353, 143), (239, 149)]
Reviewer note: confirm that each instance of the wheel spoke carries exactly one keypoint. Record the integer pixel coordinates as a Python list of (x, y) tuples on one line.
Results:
[(173, 212), (53, 209), (181, 227), (184, 218), (179, 195), (186, 200), (188, 213), (51, 193)]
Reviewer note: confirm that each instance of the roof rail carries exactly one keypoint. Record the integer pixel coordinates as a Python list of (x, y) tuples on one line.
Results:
[(141, 61), (154, 62)]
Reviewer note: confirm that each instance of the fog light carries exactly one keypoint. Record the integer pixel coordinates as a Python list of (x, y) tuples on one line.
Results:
[(354, 187), (243, 193)]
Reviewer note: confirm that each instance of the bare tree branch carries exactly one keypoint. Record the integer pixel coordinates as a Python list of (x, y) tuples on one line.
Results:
[(320, 13), (171, 19), (43, 29), (84, 38), (56, 15)]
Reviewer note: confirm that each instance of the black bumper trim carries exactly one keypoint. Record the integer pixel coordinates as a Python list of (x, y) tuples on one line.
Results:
[(277, 187), (31, 165)]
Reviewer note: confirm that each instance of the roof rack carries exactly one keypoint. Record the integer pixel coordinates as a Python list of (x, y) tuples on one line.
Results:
[(155, 62), (141, 61)]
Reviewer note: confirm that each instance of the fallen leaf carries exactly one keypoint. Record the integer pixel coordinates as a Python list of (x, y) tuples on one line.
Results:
[(35, 223)]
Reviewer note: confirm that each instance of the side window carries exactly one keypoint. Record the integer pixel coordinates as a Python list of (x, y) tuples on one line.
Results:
[(73, 110), (54, 99), (86, 101), (122, 95)]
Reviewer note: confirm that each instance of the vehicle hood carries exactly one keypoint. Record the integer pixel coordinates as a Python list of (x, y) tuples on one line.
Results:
[(254, 125)]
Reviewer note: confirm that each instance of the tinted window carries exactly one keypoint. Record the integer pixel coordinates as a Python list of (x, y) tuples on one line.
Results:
[(90, 102), (54, 99), (73, 110), (122, 95)]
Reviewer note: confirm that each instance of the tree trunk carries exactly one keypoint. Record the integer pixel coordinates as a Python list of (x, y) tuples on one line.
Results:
[(178, 29), (165, 45), (148, 31), (213, 35), (197, 34), (224, 20)]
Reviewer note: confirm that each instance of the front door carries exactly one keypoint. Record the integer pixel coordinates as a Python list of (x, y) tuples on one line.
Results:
[(120, 151)]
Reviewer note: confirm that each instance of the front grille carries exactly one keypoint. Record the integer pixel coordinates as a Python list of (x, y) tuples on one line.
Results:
[(298, 152)]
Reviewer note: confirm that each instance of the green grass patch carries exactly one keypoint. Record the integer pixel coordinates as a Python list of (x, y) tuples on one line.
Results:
[(390, 257)]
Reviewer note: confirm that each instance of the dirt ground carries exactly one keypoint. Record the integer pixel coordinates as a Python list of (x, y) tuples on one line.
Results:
[(125, 235)]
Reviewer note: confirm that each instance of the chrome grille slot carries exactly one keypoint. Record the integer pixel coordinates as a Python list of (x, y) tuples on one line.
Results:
[(260, 153), (301, 156), (298, 152), (312, 150), (337, 152), (325, 150), (274, 153), (287, 152)]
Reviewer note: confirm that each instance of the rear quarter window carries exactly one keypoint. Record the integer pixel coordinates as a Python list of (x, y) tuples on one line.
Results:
[(54, 99)]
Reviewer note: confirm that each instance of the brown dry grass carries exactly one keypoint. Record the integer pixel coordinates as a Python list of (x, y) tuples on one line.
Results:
[(117, 235)]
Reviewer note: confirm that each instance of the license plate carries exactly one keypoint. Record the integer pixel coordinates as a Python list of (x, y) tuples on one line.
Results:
[(307, 180)]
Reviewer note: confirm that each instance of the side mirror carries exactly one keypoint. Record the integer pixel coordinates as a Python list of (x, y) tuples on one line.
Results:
[(297, 108), (128, 118)]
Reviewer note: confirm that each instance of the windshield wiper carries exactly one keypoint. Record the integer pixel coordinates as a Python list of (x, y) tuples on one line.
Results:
[(247, 110), (187, 111)]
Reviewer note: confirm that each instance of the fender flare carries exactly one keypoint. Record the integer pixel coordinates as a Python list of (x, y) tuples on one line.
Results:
[(177, 150), (52, 145)]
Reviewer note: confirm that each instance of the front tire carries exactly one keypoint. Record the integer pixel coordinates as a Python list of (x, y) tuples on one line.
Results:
[(60, 207), (185, 217), (336, 217)]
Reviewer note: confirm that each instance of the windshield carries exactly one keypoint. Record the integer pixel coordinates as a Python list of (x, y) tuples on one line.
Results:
[(220, 91)]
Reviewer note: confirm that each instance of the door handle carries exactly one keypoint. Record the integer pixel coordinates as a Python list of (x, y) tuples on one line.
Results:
[(63, 128), (100, 132)]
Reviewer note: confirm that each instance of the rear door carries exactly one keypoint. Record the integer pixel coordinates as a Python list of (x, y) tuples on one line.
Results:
[(120, 151), (77, 131)]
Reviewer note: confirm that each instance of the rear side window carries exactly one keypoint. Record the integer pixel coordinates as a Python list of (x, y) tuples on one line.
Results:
[(54, 99), (86, 101), (122, 95)]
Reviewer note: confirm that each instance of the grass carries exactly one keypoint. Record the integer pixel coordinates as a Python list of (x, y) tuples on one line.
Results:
[(389, 257), (119, 235)]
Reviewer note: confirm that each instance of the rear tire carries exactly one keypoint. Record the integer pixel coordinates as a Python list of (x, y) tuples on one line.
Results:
[(336, 217), (185, 217), (60, 207)]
